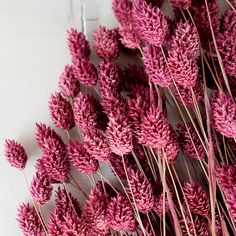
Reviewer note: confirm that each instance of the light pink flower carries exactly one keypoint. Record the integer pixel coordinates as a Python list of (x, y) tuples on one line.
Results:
[(15, 154), (122, 10)]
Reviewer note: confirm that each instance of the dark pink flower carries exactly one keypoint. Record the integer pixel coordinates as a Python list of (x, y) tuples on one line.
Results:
[(230, 195), (68, 84), (183, 4), (122, 10), (41, 188), (119, 215), (81, 159), (15, 154), (197, 199), (140, 191), (78, 45), (55, 224), (150, 24), (61, 112), (150, 230), (106, 43), (228, 22), (159, 205), (85, 72), (29, 221), (223, 114)]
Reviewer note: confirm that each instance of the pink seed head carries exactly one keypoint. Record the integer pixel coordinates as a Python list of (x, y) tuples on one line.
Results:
[(122, 10), (228, 23), (183, 4)]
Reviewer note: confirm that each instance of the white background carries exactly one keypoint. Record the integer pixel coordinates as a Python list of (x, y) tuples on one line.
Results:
[(33, 52)]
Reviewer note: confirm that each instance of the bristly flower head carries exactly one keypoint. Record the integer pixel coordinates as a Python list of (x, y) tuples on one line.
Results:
[(183, 4), (55, 224), (141, 190), (81, 159), (159, 205), (228, 22), (78, 45), (61, 112), (197, 199), (15, 154), (68, 84), (150, 24), (155, 66), (230, 195), (119, 132), (29, 221), (122, 10), (120, 216), (223, 114), (106, 43), (41, 188), (85, 72)]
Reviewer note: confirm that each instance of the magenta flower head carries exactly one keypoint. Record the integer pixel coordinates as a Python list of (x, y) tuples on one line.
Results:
[(106, 43), (228, 23), (223, 114), (155, 66), (15, 154), (78, 45), (80, 158), (190, 142), (159, 205), (85, 72), (230, 195), (29, 221), (61, 112), (119, 133), (141, 190), (41, 188), (96, 145), (120, 216), (150, 24), (55, 224), (68, 84), (197, 199), (183, 4), (122, 10)]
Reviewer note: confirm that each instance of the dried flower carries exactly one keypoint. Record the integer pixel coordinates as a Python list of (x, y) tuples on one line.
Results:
[(85, 72), (183, 4), (228, 22), (155, 66), (55, 224), (41, 188), (106, 43), (150, 230), (81, 159), (120, 215), (61, 112), (230, 195), (68, 84), (159, 205), (29, 221), (78, 45), (15, 154), (223, 114), (197, 199), (122, 10), (150, 24), (141, 191)]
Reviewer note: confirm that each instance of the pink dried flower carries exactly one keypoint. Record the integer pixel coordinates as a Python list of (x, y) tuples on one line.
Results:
[(56, 224), (85, 72), (155, 66), (228, 22), (61, 112), (85, 111), (230, 195), (96, 145), (122, 10), (119, 133), (81, 159), (197, 199), (120, 216), (150, 24), (78, 45), (190, 142), (106, 43), (68, 84), (15, 154), (155, 130), (158, 205), (183, 4), (41, 188), (141, 191), (223, 114), (94, 212), (29, 221)]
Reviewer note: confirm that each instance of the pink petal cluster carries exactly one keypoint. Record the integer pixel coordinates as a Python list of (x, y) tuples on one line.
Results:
[(78, 45), (223, 114), (228, 23), (120, 215), (183, 4), (61, 112), (41, 188), (29, 221), (122, 10), (15, 154), (106, 43), (55, 224), (159, 205), (85, 72), (68, 84), (150, 24), (80, 158), (230, 195)]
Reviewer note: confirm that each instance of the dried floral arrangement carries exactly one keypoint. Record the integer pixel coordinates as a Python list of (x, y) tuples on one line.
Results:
[(173, 178)]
